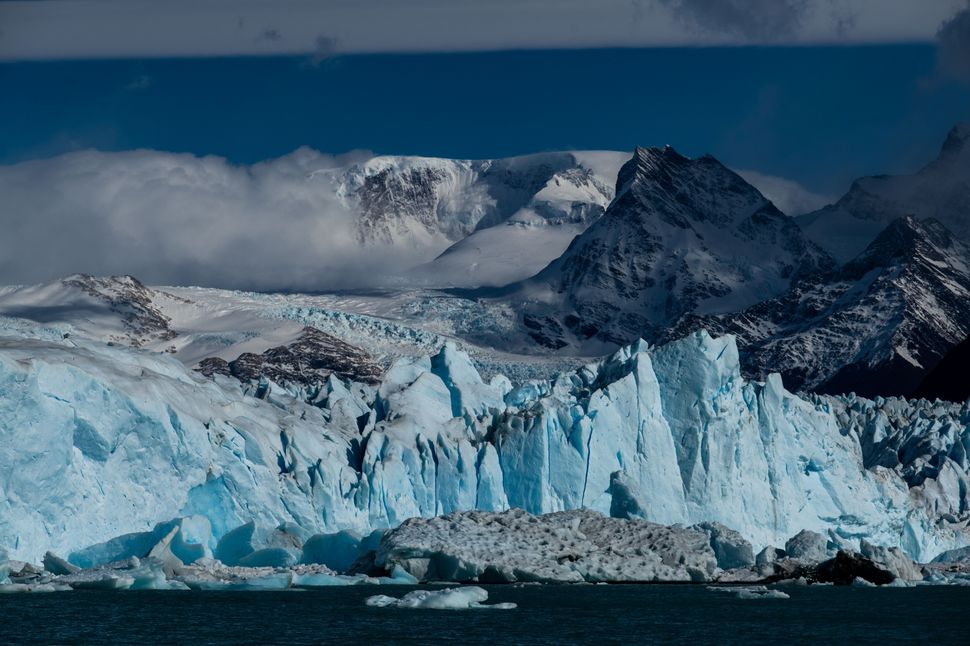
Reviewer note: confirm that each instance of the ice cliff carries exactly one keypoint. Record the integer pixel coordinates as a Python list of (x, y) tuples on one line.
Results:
[(98, 441)]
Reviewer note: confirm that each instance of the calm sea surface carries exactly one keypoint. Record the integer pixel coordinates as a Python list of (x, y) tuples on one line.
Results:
[(547, 614)]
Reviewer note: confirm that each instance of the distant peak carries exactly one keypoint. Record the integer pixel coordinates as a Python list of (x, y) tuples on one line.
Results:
[(903, 238), (957, 141), (653, 153)]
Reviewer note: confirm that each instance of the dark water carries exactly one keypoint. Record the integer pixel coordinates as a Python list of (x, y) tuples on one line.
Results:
[(549, 614)]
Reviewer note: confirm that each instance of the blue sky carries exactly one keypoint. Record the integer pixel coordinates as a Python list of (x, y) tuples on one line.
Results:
[(818, 115)]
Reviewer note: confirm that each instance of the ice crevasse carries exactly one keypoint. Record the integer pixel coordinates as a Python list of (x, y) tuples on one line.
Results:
[(98, 441)]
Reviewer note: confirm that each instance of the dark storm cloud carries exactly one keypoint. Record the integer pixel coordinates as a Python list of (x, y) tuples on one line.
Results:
[(757, 20), (953, 46), (65, 29), (324, 47), (270, 34)]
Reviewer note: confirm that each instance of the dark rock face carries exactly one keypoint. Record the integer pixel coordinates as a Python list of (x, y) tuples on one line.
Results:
[(846, 567), (309, 360), (398, 201), (843, 569), (681, 235), (874, 327), (950, 379), (133, 301), (214, 366), (545, 331), (387, 197)]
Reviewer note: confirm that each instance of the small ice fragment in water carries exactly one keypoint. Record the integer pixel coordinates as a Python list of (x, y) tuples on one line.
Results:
[(751, 592), (449, 599)]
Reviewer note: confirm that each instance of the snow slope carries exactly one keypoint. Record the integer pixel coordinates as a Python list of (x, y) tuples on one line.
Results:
[(98, 440), (536, 234)]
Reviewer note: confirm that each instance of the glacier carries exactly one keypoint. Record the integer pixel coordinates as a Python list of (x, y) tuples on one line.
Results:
[(103, 447)]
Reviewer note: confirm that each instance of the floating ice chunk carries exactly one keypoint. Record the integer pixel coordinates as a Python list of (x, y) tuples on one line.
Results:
[(464, 598), (13, 588), (324, 580), (751, 592), (277, 581), (56, 565), (745, 593)]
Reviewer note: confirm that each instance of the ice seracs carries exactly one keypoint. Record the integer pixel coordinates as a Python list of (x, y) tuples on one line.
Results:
[(671, 434)]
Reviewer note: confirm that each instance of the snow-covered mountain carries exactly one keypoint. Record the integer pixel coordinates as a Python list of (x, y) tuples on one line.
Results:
[(940, 190), (875, 326), (536, 233), (682, 236), (428, 202)]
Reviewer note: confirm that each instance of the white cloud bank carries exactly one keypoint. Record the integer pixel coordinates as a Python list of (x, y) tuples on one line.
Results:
[(179, 219), (64, 29)]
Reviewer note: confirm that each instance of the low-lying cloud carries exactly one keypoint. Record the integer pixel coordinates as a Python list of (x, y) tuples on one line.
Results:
[(180, 219), (789, 196)]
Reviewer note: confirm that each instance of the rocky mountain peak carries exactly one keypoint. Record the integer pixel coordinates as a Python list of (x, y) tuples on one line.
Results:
[(308, 360), (682, 236), (957, 141), (650, 165)]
